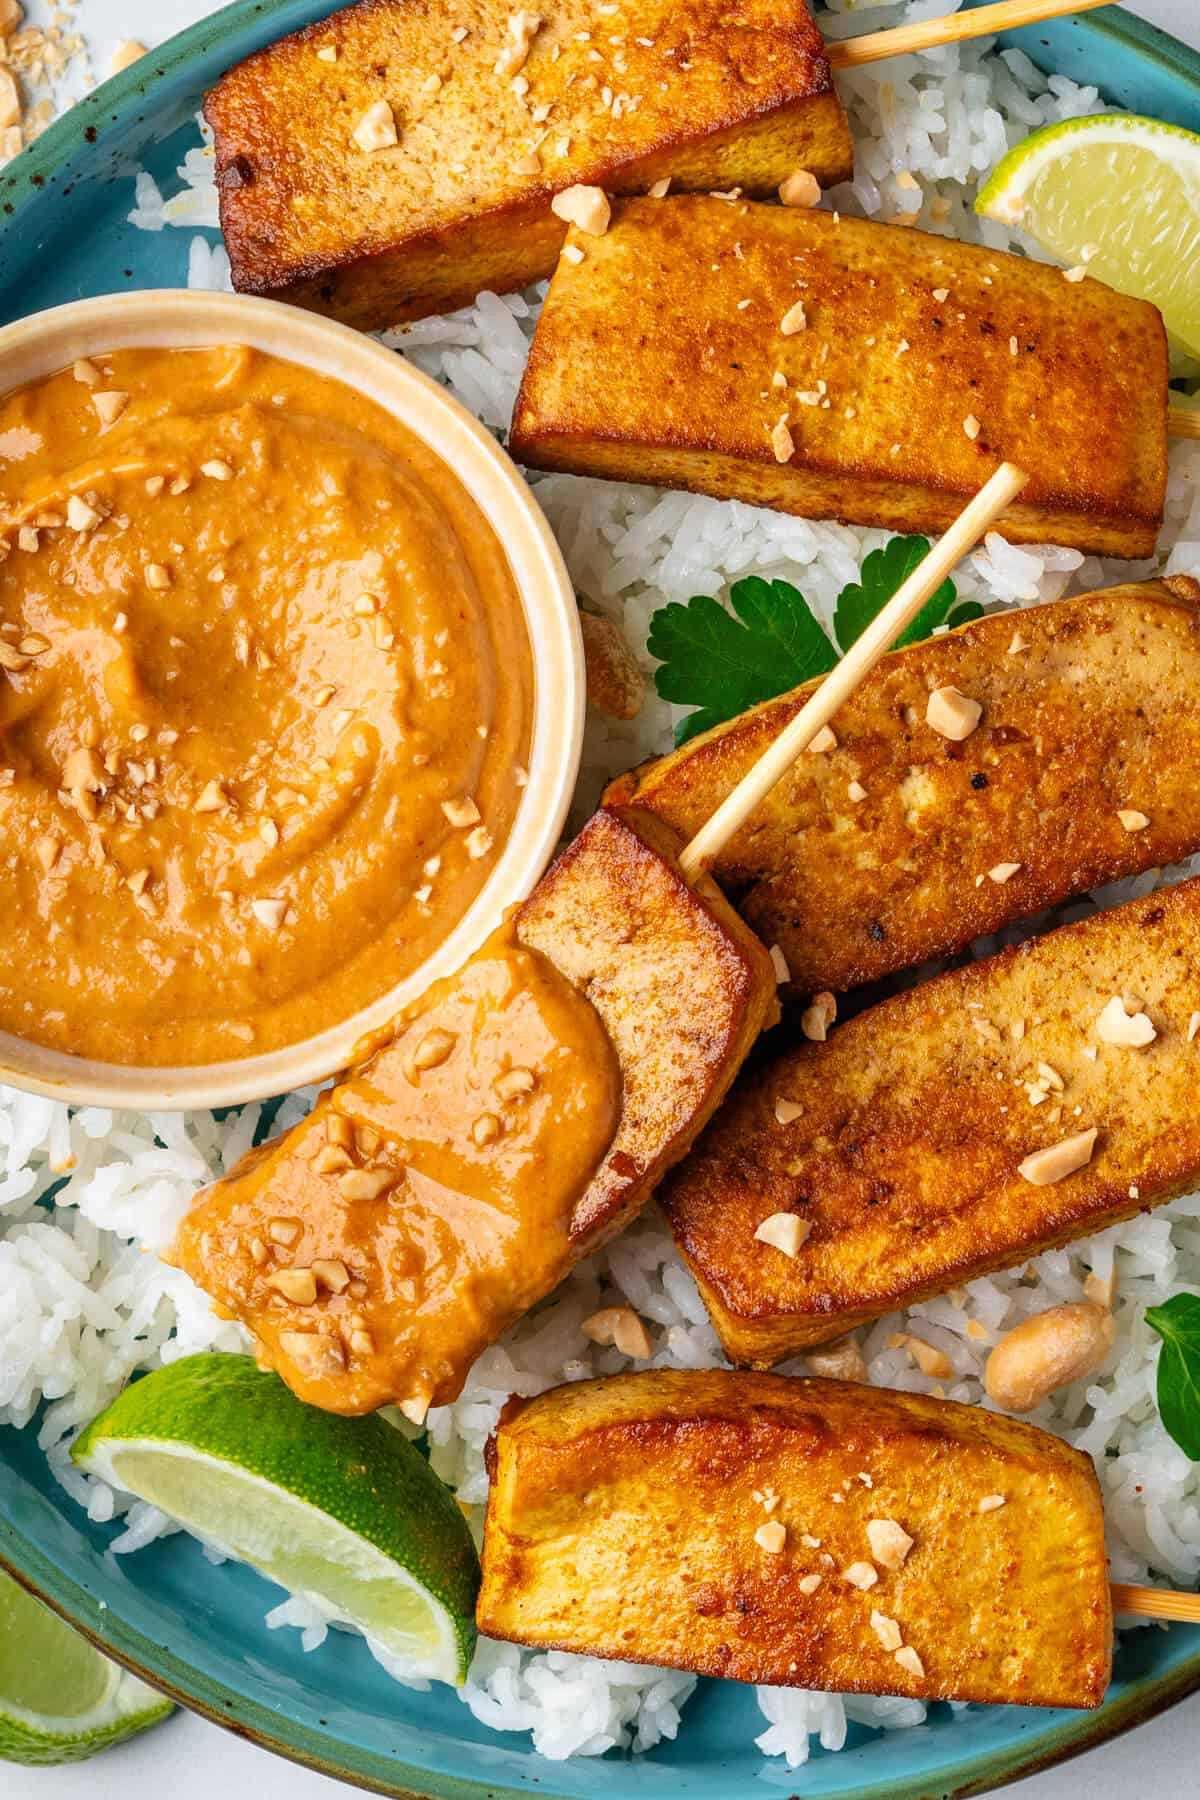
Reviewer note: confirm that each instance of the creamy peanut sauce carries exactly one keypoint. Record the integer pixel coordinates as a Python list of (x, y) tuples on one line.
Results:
[(424, 1205), (265, 698)]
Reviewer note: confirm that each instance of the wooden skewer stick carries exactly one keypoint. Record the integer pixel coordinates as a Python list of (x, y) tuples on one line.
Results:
[(859, 660), (931, 34), (1183, 421), (1156, 1603)]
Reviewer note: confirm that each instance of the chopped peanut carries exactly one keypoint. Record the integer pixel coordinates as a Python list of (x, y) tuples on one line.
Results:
[(951, 714), (784, 1232)]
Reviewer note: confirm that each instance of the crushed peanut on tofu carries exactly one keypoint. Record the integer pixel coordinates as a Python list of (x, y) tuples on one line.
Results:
[(376, 129), (1044, 1167), (583, 206), (817, 1017), (784, 1232), (1129, 1029), (952, 714)]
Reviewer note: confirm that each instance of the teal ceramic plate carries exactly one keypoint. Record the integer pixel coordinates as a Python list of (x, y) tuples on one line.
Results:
[(197, 1631)]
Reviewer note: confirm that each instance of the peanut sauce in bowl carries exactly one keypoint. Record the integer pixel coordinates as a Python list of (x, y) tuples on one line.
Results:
[(289, 696)]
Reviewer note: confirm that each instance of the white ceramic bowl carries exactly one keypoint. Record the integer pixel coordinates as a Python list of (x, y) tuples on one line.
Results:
[(48, 341)]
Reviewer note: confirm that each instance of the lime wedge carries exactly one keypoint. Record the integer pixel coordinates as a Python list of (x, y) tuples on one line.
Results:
[(1118, 194), (341, 1511), (60, 1700)]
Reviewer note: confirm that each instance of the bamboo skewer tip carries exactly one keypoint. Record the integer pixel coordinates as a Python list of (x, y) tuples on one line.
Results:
[(976, 518)]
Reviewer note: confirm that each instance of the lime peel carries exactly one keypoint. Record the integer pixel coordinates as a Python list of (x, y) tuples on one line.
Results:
[(342, 1511), (1115, 193), (44, 1663)]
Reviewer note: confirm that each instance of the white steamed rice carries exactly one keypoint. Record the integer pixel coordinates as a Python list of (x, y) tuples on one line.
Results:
[(84, 1302)]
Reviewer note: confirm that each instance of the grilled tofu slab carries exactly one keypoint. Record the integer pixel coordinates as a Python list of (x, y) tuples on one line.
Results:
[(898, 1143), (492, 111), (835, 368), (1088, 711), (755, 1527), (682, 986), (366, 1280)]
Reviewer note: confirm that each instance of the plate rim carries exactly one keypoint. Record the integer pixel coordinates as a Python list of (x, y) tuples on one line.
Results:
[(114, 102)]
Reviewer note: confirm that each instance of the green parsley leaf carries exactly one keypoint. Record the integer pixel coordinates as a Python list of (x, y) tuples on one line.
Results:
[(1177, 1323), (724, 664), (884, 571)]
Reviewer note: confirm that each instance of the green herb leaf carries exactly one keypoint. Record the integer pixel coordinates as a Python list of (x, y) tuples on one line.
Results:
[(1177, 1323), (724, 664), (883, 571)]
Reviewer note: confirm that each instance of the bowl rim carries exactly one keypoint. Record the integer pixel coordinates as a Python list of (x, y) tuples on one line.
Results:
[(186, 318)]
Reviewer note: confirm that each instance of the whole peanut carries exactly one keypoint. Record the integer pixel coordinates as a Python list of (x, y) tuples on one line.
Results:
[(1046, 1352), (840, 1361)]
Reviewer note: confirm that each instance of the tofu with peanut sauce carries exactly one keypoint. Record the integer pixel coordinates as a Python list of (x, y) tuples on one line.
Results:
[(1085, 703), (799, 1533), (840, 369), (965, 1125), (398, 157), (511, 1121)]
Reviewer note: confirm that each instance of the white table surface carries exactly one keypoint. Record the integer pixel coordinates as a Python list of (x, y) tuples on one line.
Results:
[(188, 1759)]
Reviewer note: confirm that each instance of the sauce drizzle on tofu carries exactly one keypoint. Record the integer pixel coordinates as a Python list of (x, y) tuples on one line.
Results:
[(426, 1202)]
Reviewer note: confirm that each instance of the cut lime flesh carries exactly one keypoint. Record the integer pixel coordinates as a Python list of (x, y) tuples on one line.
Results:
[(1119, 194), (61, 1700), (341, 1511)]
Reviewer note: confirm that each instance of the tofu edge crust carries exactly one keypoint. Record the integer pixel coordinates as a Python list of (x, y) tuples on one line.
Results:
[(579, 1423), (845, 954), (734, 1161), (518, 240), (578, 436)]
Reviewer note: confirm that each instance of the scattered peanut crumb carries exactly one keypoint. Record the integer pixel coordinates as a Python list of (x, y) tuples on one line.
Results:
[(1002, 872), (824, 740), (992, 1503), (862, 1575), (890, 1543), (786, 1111), (951, 714), (909, 1660), (1044, 1167), (971, 426), (1129, 1030), (586, 207), (771, 1537), (782, 442), (887, 1631), (784, 1232), (621, 1327), (794, 319), (126, 53), (800, 188), (1131, 819), (809, 1584), (817, 1017)]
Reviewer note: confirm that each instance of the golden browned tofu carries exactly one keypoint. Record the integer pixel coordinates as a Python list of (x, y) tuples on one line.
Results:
[(510, 1121), (682, 985), (1087, 711), (483, 113), (812, 1534), (839, 369), (906, 1148)]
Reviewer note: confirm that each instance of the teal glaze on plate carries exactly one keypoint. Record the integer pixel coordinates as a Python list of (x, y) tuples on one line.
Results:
[(197, 1630)]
